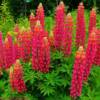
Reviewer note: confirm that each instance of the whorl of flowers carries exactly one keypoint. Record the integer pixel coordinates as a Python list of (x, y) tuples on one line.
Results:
[(9, 54), (40, 14), (25, 41), (16, 78), (92, 21), (77, 77), (40, 50), (32, 20), (90, 54), (59, 26), (67, 37), (1, 52), (97, 56), (80, 26), (17, 50), (36, 45), (44, 55)]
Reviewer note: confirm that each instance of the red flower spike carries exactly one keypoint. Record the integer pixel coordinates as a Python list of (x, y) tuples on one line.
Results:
[(32, 20), (1, 52), (25, 41), (36, 45), (77, 77), (40, 14), (16, 78), (40, 56), (9, 54), (17, 50), (80, 28), (97, 56), (59, 27), (90, 54), (92, 21), (61, 4), (44, 56), (67, 37)]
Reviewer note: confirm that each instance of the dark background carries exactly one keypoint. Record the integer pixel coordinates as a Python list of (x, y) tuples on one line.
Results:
[(22, 7)]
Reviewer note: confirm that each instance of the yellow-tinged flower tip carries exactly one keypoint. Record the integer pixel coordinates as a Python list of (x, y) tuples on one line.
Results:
[(92, 36), (32, 14), (80, 49), (38, 23), (61, 3), (69, 14), (11, 69), (81, 3), (9, 33), (40, 5), (80, 52), (18, 61), (93, 9), (45, 40), (6, 40)]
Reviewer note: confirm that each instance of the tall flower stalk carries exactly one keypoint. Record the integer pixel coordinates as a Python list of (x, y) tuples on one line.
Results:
[(40, 14), (16, 78), (90, 54), (97, 56), (80, 26), (77, 77), (1, 52), (59, 26), (92, 21), (67, 36)]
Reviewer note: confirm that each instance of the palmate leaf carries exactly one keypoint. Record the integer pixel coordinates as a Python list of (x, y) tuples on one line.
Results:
[(46, 89), (53, 79)]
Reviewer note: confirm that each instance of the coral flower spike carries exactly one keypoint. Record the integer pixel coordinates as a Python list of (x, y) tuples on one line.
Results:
[(77, 77), (40, 14), (92, 21), (16, 78), (80, 26), (90, 54)]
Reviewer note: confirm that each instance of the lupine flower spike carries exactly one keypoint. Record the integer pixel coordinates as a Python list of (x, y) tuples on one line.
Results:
[(25, 40), (16, 78), (40, 14), (36, 44), (67, 37), (90, 54), (97, 56), (44, 56), (80, 28), (32, 20), (9, 54), (59, 26), (1, 52), (92, 22), (77, 77)]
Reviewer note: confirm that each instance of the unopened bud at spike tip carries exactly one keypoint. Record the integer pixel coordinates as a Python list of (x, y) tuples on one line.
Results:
[(40, 5), (81, 3)]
